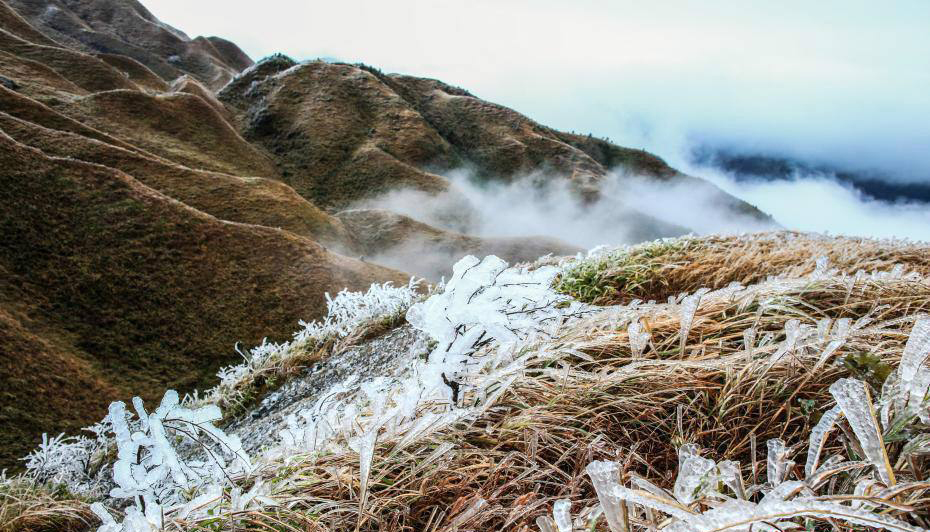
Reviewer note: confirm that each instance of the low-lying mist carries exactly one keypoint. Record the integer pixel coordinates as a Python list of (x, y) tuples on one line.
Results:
[(548, 214), (821, 203)]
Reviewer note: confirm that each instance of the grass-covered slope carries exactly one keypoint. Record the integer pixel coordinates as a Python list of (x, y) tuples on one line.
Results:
[(648, 399), (179, 126), (657, 270), (341, 133), (336, 133), (128, 29), (252, 200), (136, 288)]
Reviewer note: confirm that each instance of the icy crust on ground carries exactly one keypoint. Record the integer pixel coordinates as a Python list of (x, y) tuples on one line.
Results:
[(479, 323), (345, 314), (388, 356), (464, 346)]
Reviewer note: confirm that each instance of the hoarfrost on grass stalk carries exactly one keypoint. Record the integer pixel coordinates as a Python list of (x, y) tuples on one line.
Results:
[(484, 303), (345, 313), (149, 470), (785, 500)]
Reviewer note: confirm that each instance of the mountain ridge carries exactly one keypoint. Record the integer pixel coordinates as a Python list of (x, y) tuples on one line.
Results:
[(158, 210)]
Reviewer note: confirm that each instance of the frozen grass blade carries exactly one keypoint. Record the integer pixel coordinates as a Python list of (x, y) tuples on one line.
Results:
[(853, 397), (741, 517), (914, 373), (604, 479), (561, 514), (819, 437), (777, 464)]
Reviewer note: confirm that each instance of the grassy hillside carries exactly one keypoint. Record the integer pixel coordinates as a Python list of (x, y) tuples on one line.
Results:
[(140, 289), (128, 29), (744, 373), (150, 223)]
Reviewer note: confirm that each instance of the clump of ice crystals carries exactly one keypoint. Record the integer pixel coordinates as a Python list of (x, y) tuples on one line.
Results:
[(639, 338), (483, 304), (150, 472), (344, 313), (485, 301)]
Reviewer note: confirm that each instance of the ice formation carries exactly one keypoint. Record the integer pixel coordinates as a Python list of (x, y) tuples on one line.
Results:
[(914, 373), (487, 324), (149, 470), (484, 304), (853, 397), (345, 313), (639, 338), (785, 500)]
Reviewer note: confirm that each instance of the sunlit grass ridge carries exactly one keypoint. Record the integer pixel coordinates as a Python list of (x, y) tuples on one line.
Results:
[(796, 396)]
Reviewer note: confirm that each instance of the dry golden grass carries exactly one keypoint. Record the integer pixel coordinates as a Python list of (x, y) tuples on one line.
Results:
[(26, 507), (138, 291), (530, 448), (585, 396), (656, 270)]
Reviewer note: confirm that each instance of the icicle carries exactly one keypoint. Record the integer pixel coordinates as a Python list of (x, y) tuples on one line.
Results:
[(914, 375), (366, 451), (695, 475), (561, 513), (730, 475), (853, 397), (688, 308), (818, 437), (749, 339), (777, 465), (638, 338), (604, 478), (545, 524)]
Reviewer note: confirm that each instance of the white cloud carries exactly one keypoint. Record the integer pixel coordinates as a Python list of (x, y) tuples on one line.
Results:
[(844, 81), (630, 209), (821, 204)]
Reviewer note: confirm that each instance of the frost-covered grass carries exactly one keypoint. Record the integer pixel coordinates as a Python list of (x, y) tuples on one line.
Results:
[(351, 318), (606, 275), (656, 270), (728, 391), (526, 397)]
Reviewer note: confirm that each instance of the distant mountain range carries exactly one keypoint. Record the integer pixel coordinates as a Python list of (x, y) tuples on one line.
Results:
[(755, 166), (163, 198)]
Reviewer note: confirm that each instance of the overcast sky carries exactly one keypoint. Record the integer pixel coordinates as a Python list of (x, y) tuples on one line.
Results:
[(846, 82)]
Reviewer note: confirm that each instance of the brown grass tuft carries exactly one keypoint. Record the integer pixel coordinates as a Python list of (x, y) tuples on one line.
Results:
[(530, 448), (28, 507), (657, 270)]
